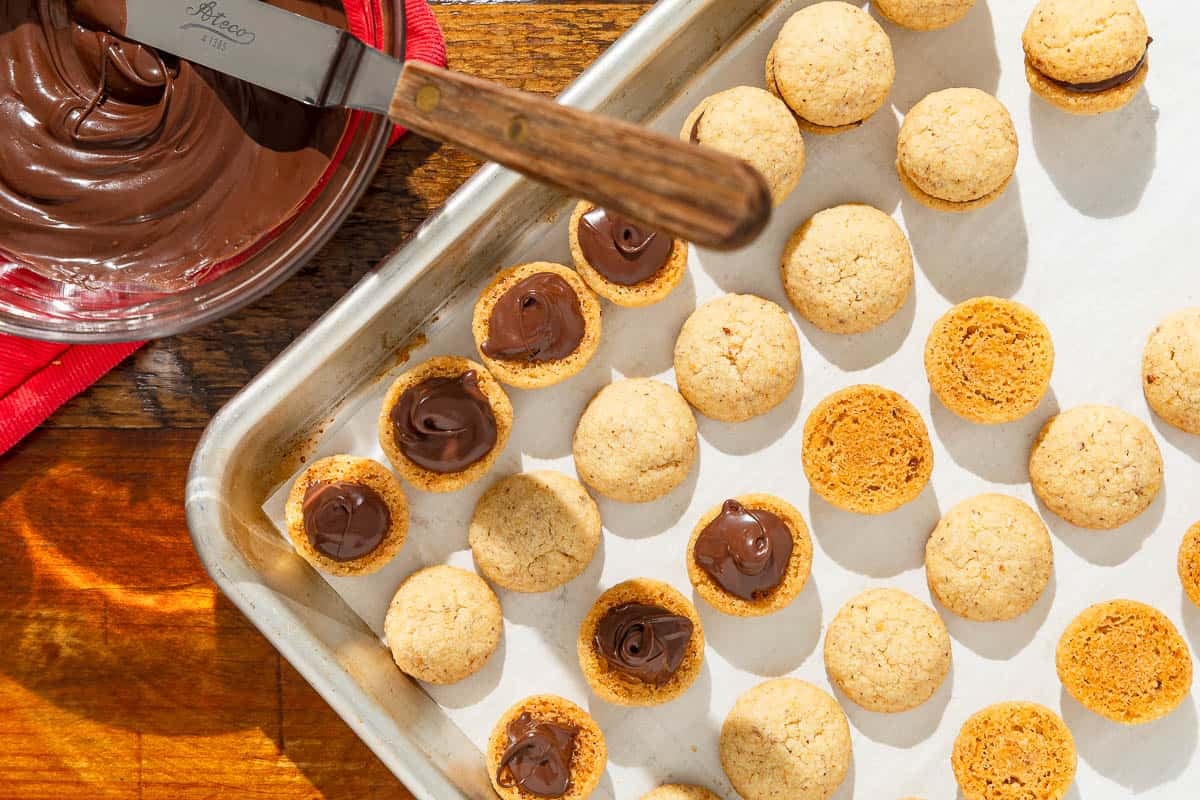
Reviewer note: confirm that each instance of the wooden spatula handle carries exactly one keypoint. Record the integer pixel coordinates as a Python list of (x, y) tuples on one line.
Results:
[(691, 192)]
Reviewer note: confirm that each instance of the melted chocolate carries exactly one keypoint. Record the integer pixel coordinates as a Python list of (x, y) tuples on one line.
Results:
[(444, 424), (643, 641), (621, 250), (746, 551), (538, 757), (126, 167), (1108, 83), (694, 137), (538, 319), (344, 520)]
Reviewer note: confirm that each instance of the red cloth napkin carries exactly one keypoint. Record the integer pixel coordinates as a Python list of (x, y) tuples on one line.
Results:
[(36, 378)]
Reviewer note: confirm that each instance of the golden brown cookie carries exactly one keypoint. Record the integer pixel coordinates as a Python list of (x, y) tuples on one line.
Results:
[(924, 15), (756, 126), (534, 531), (641, 644), (436, 460), (1171, 370), (866, 449), (833, 65), (757, 560), (636, 441), (989, 360), (737, 357), (989, 558), (443, 624), (786, 738), (887, 651), (347, 515), (1086, 56), (1189, 563), (1014, 751), (680, 791), (536, 325), (587, 754), (1125, 661), (645, 292), (1096, 467), (957, 150)]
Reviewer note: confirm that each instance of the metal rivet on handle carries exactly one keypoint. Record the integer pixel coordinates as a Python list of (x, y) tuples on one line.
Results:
[(428, 97), (518, 128)]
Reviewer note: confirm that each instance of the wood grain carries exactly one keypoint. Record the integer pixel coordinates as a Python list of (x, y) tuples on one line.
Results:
[(123, 671)]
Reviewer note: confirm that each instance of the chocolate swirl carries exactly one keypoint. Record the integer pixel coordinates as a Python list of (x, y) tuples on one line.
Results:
[(1095, 87), (444, 424), (345, 520), (538, 319), (745, 551), (538, 757), (621, 250), (643, 641)]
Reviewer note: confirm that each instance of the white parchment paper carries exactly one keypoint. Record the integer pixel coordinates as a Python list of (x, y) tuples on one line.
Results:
[(1097, 234)]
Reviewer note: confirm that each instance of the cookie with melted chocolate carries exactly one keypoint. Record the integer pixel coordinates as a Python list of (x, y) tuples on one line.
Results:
[(546, 746), (622, 260), (444, 423), (347, 515), (641, 644)]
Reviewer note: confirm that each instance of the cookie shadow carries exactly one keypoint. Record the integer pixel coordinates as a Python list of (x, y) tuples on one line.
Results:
[(544, 420), (996, 453), (753, 435), (1000, 641), (982, 252), (860, 351), (473, 689), (1183, 441), (1100, 164), (905, 729), (1138, 757), (643, 520), (880, 546), (1191, 619), (1107, 548), (634, 342), (754, 644), (851, 167), (963, 54)]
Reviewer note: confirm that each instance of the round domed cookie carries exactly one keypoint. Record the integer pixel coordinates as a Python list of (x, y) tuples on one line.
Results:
[(989, 360), (443, 624), (833, 66), (536, 325), (444, 423), (737, 357), (546, 746), (1014, 751), (1189, 563), (750, 555), (641, 644), (679, 791), (785, 738), (1125, 661), (756, 126), (1086, 56), (1096, 467), (622, 260), (636, 440), (989, 558), (957, 150), (867, 450), (534, 531), (347, 515), (924, 15), (848, 269), (1171, 370), (887, 651)]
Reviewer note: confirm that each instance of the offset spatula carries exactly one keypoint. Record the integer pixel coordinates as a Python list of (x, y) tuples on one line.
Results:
[(694, 193)]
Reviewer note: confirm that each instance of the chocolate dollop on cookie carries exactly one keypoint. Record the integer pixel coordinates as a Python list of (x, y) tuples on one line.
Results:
[(621, 250), (445, 424), (746, 551), (538, 319), (538, 758), (643, 641), (344, 520)]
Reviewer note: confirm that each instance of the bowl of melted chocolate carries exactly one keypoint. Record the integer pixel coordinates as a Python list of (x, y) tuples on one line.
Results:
[(141, 194)]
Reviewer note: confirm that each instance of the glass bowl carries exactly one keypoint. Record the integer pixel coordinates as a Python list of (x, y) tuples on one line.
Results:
[(37, 307)]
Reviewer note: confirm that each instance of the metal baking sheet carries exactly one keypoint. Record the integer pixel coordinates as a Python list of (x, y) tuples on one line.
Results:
[(1090, 234)]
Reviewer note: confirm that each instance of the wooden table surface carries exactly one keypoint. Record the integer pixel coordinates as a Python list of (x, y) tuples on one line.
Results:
[(123, 671)]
